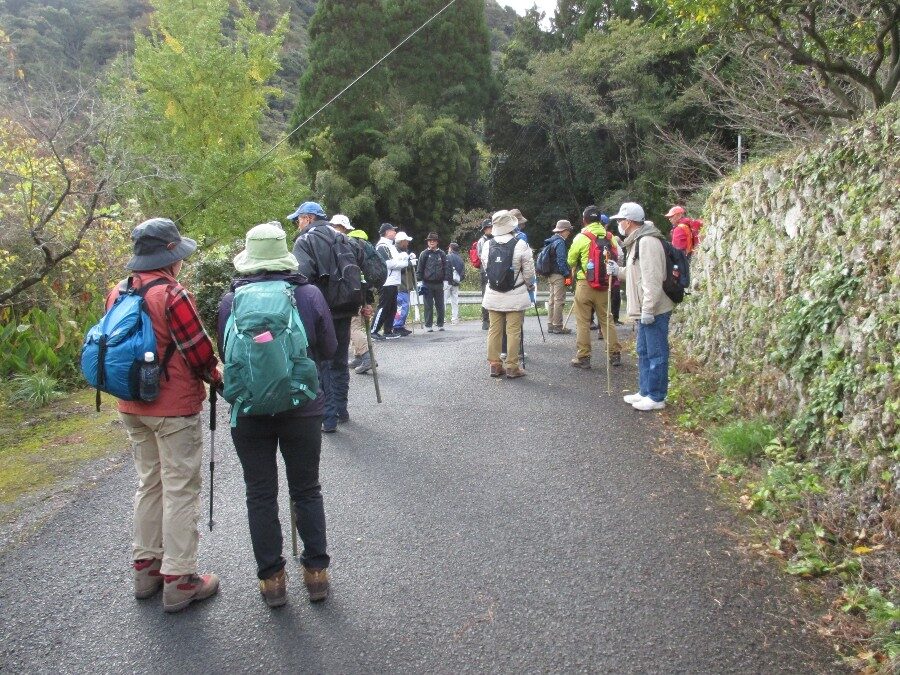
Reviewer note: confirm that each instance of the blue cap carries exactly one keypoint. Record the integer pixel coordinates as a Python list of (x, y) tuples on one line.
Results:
[(308, 209), (604, 219)]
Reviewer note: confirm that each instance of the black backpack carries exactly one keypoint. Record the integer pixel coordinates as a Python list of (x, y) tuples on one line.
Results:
[(374, 268), (500, 274), (338, 274), (678, 272), (545, 265)]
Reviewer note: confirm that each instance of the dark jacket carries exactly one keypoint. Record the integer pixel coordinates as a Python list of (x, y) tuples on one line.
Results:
[(314, 314), (433, 267), (314, 250), (456, 263), (559, 249)]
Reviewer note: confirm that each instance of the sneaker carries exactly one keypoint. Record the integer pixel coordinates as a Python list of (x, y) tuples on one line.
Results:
[(343, 418), (646, 404), (147, 578), (615, 359), (632, 398), (391, 336), (440, 328), (355, 362), (584, 363), (379, 337), (402, 331), (514, 372), (485, 325), (181, 590), (274, 589), (497, 370), (317, 583), (364, 366), (429, 329), (329, 428)]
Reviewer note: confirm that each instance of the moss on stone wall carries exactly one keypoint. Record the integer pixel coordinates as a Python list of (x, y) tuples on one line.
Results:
[(797, 303)]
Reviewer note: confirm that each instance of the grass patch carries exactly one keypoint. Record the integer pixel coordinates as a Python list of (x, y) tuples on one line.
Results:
[(742, 440), (39, 448)]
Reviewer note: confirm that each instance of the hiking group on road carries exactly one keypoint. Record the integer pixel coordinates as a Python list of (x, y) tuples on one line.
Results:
[(286, 324)]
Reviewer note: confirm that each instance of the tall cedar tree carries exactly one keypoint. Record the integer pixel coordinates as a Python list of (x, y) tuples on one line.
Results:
[(346, 37), (447, 66)]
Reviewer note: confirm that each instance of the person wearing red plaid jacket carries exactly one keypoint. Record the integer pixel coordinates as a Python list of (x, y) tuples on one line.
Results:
[(166, 434)]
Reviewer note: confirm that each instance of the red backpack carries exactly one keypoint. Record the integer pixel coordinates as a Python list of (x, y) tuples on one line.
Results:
[(602, 250), (473, 255)]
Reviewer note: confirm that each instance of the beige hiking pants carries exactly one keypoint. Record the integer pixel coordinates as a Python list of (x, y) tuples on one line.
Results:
[(167, 456), (511, 324), (557, 283), (587, 298), (358, 336)]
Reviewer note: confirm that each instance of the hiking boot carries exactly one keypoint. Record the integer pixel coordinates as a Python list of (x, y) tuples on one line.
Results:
[(514, 372), (147, 578), (485, 325), (180, 591), (274, 589), (497, 370), (316, 583), (364, 366), (552, 329), (343, 418), (583, 363), (615, 359), (355, 362), (329, 427), (440, 328), (646, 404), (378, 336), (632, 398), (564, 331)]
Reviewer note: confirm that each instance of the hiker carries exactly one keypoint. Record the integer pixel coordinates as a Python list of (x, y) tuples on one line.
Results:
[(407, 284), (558, 269), (432, 271), (647, 304), (509, 265), (520, 221), (457, 275), (359, 345), (395, 262), (166, 434), (615, 300), (319, 249), (588, 251), (486, 236), (685, 231), (296, 430)]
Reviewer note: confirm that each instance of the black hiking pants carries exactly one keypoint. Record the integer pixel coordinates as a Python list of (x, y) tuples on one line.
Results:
[(257, 439), (387, 310), (434, 298)]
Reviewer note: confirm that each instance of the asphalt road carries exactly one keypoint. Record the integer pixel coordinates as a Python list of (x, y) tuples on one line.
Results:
[(475, 525)]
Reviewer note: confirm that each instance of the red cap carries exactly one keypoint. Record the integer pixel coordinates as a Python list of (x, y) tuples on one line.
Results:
[(675, 211)]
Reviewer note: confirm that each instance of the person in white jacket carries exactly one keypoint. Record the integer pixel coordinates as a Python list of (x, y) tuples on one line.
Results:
[(509, 266), (647, 304), (396, 262)]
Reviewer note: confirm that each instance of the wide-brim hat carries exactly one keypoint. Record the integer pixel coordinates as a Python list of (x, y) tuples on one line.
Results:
[(563, 226), (265, 250), (520, 219), (157, 244), (503, 222)]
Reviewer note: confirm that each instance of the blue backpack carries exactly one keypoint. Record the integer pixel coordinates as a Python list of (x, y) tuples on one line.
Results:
[(114, 348)]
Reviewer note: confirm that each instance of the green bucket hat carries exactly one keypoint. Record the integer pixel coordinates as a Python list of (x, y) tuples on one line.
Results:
[(265, 250)]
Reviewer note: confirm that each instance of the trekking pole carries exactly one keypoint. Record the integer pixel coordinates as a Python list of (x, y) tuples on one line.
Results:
[(372, 358), (293, 529), (606, 320), (537, 313), (212, 448)]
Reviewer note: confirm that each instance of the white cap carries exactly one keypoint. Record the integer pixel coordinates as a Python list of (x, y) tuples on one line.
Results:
[(630, 211), (342, 220), (402, 236)]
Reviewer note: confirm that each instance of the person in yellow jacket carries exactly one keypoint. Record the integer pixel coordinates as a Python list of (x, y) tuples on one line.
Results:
[(588, 298)]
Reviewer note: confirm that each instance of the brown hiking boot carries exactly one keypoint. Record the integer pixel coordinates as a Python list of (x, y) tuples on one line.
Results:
[(615, 359), (180, 591), (497, 369), (514, 372), (147, 579), (583, 363), (316, 583), (564, 331), (274, 589)]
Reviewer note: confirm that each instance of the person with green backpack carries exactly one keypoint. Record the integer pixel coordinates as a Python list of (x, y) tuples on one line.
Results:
[(274, 328)]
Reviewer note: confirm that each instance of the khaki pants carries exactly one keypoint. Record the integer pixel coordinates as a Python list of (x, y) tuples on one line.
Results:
[(511, 324), (358, 335), (557, 300), (587, 298), (167, 456)]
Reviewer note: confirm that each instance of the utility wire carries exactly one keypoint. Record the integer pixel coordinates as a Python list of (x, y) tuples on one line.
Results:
[(268, 152)]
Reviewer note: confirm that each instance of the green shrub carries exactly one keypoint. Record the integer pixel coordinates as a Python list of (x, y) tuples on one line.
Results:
[(35, 390), (208, 276), (743, 440)]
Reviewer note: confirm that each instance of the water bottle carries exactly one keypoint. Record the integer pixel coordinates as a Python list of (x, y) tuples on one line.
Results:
[(148, 379), (589, 271)]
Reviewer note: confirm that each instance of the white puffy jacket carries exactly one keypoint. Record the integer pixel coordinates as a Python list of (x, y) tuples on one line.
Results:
[(395, 260)]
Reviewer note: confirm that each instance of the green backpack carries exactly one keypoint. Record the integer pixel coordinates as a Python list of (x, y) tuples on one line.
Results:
[(267, 370)]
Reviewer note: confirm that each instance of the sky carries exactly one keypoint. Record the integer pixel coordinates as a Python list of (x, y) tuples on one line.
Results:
[(522, 6)]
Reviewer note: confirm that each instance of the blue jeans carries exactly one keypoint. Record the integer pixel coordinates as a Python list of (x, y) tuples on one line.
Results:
[(653, 357), (335, 375)]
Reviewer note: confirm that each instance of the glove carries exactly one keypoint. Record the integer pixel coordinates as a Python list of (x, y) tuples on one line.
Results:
[(413, 259), (531, 294), (612, 269), (646, 317)]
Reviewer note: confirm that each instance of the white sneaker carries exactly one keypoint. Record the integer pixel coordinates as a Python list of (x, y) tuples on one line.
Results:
[(632, 398), (646, 404)]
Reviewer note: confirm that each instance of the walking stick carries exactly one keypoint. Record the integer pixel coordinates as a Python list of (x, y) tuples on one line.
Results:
[(533, 295), (606, 320), (293, 529), (416, 316), (212, 448), (372, 358)]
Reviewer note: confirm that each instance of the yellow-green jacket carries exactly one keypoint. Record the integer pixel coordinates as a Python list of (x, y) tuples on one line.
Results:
[(581, 245)]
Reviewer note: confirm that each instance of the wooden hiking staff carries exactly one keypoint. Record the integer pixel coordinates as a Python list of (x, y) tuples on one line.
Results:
[(372, 358)]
